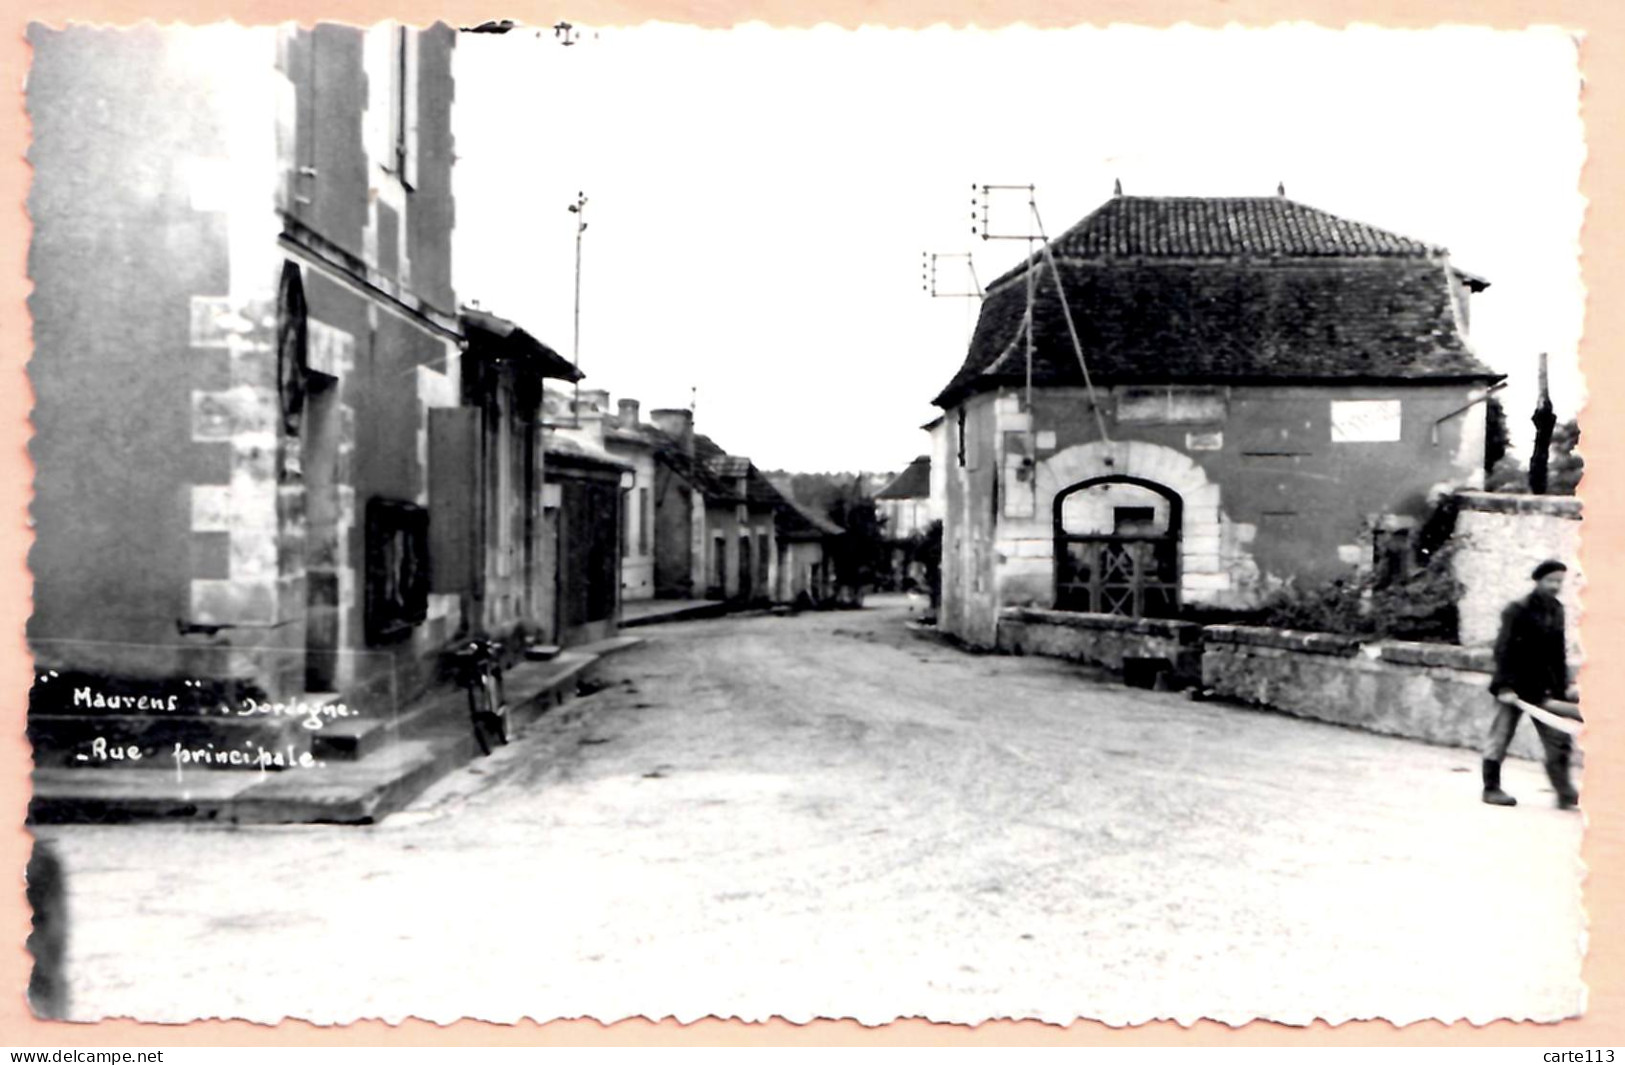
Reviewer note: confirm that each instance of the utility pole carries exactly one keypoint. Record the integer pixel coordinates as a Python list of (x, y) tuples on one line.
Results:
[(1039, 256), (579, 209), (932, 284)]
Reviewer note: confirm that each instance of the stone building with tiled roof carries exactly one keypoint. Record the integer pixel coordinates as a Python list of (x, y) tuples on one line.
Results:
[(905, 501), (1214, 397), (694, 521), (711, 515)]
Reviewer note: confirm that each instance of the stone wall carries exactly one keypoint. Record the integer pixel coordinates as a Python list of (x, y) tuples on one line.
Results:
[(1102, 639), (1433, 692), (1499, 539)]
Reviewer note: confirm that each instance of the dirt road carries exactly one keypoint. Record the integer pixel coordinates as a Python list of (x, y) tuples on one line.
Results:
[(829, 815)]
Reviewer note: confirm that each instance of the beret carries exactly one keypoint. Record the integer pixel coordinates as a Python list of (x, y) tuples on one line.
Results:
[(1551, 565)]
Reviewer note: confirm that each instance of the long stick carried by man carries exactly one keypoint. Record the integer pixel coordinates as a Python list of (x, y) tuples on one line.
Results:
[(1558, 714)]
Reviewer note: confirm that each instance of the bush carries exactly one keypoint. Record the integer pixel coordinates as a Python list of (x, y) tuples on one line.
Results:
[(1417, 603), (1422, 607)]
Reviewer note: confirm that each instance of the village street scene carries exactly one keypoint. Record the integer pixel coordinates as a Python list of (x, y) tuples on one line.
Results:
[(498, 566)]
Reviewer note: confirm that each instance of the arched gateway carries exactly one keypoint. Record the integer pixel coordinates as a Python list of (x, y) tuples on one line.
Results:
[(1136, 528), (1117, 541)]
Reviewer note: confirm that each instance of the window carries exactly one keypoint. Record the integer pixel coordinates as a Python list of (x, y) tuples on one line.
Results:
[(397, 574), (960, 436), (626, 532), (1132, 521), (1171, 406)]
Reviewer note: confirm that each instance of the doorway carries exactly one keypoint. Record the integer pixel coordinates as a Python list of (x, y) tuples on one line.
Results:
[(322, 549), (1117, 548), (746, 570), (589, 556)]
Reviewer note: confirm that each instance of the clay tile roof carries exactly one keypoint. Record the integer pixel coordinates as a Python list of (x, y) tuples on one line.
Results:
[(913, 483), (1225, 290), (799, 522), (563, 450), (504, 339), (713, 471), (1194, 226), (691, 468)]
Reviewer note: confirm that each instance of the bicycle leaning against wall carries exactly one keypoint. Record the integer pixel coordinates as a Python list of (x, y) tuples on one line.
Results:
[(478, 667)]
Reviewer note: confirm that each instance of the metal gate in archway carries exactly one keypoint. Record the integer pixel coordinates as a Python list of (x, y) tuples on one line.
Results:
[(1133, 570)]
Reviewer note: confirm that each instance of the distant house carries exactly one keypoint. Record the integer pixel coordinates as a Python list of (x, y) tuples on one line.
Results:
[(583, 500), (624, 436), (807, 539), (629, 439), (1278, 394), (715, 534), (905, 502)]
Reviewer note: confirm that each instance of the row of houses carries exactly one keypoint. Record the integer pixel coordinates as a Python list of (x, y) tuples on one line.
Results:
[(275, 452), (699, 523)]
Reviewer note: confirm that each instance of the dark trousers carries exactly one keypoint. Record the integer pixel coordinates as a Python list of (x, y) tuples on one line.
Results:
[(1559, 746)]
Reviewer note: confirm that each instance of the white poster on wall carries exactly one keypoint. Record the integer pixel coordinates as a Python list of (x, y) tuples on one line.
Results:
[(1365, 420)]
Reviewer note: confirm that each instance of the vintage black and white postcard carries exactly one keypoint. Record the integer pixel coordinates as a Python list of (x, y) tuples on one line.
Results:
[(559, 520)]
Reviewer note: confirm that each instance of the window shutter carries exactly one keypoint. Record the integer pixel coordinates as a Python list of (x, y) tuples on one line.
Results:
[(453, 506)]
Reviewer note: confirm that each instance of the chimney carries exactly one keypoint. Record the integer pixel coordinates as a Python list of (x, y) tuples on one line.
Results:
[(629, 414), (594, 400), (677, 424)]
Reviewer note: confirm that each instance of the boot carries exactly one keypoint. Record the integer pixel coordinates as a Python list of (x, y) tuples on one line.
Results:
[(1492, 786), (1557, 771)]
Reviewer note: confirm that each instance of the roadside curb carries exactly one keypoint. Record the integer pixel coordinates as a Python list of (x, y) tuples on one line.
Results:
[(697, 612)]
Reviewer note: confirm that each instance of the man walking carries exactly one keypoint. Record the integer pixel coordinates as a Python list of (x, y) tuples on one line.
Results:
[(1531, 664)]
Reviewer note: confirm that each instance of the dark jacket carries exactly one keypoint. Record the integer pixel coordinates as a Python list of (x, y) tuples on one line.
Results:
[(1531, 652)]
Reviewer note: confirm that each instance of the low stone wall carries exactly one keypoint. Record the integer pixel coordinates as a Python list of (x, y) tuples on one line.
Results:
[(1103, 639), (1438, 693)]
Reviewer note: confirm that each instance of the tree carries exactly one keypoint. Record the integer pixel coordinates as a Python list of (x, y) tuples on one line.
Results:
[(862, 554), (820, 491), (1509, 475), (1566, 465), (1497, 437)]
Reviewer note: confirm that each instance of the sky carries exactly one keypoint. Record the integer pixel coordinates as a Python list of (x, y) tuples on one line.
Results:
[(759, 199)]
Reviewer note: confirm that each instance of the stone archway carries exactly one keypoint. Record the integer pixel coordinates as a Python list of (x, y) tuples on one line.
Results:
[(1202, 571), (1117, 550)]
